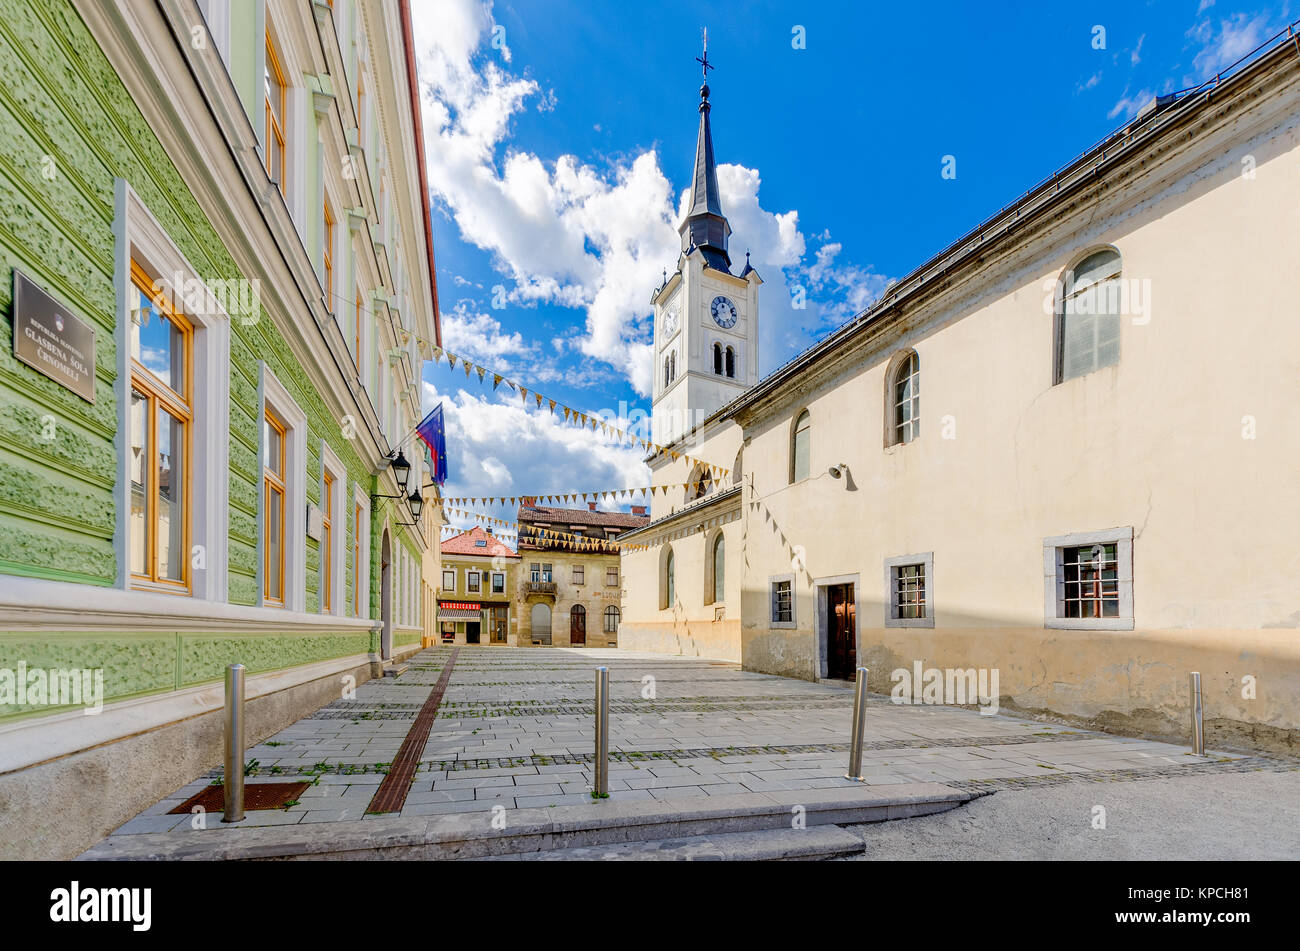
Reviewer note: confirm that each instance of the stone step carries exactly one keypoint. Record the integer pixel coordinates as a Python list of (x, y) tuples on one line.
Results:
[(396, 670), (774, 845), (472, 835)]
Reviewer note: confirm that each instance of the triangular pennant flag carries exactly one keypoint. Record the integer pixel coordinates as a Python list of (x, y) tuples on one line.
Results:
[(469, 368), (480, 371), (523, 395), (552, 402), (567, 411), (451, 360), (539, 400), (496, 380)]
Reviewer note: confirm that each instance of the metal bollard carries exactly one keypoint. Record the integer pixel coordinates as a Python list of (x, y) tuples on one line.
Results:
[(234, 779), (859, 727), (601, 784), (1198, 716)]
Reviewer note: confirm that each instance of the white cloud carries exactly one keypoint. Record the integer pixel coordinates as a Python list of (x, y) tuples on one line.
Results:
[(469, 332), (496, 446), (1223, 45), (564, 232), (1136, 56), (1128, 106)]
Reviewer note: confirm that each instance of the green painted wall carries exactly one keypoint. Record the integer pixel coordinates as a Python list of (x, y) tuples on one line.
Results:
[(70, 130)]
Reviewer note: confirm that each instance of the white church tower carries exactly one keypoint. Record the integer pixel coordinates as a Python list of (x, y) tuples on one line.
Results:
[(706, 317)]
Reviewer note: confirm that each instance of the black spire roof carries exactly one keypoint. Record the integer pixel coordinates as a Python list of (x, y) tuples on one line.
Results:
[(706, 229)]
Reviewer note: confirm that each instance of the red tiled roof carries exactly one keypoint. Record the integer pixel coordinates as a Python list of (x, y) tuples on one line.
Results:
[(558, 517), (464, 544)]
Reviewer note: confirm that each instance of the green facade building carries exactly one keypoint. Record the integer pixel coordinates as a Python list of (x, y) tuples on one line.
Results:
[(218, 288)]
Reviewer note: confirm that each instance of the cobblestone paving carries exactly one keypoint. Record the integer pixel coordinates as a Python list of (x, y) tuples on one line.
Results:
[(515, 730)]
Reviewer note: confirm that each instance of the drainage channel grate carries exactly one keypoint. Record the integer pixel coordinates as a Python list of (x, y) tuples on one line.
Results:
[(476, 711), (638, 756), (256, 796)]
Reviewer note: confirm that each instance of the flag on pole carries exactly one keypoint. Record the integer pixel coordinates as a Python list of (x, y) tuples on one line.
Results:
[(434, 434)]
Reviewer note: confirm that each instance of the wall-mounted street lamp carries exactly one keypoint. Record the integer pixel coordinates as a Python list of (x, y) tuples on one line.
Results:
[(401, 469), (402, 473)]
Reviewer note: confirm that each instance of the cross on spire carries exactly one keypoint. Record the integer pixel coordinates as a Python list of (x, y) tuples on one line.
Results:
[(705, 65)]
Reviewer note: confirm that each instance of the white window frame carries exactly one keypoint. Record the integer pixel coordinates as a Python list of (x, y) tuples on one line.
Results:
[(926, 560), (361, 571), (1054, 580), (297, 105), (578, 575), (608, 582), (452, 572), (338, 530), (478, 578), (138, 235), (772, 582), (271, 394), (495, 576)]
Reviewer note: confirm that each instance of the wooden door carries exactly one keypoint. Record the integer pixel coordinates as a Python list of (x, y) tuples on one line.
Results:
[(841, 633), (578, 626)]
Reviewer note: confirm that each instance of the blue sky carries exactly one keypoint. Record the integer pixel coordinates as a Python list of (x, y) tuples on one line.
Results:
[(561, 135)]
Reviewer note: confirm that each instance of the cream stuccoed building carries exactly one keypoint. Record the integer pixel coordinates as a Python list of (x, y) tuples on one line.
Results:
[(1064, 449)]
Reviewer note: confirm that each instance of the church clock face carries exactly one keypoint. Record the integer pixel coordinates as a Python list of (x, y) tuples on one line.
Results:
[(670, 320), (724, 312)]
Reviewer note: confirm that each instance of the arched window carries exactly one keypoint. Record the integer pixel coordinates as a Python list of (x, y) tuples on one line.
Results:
[(612, 616), (731, 363), (717, 569), (1088, 315), (717, 358), (905, 390), (701, 483), (667, 581), (799, 447), (667, 378), (672, 366), (737, 470)]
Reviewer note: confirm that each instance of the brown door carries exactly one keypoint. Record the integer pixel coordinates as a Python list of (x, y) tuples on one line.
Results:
[(841, 633), (578, 626)]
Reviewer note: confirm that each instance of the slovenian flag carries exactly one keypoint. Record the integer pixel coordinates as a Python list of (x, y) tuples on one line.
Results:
[(433, 432)]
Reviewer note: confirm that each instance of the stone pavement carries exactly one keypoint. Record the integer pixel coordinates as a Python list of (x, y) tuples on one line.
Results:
[(515, 729)]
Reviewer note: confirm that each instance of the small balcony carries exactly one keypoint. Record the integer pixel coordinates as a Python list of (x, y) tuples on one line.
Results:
[(543, 588)]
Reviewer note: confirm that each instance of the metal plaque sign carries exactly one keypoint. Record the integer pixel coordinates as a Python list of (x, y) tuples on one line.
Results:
[(51, 341)]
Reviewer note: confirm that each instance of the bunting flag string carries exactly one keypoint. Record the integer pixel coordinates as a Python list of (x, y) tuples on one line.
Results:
[(436, 353), (615, 496), (571, 415), (534, 534)]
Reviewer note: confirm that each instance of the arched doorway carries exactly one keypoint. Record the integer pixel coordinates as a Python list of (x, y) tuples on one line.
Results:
[(540, 623), (577, 626), (386, 597)]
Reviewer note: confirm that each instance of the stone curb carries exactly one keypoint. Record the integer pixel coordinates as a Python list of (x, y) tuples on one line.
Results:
[(461, 836)]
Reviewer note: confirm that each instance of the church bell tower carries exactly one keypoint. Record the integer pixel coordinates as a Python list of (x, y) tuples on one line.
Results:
[(706, 316)]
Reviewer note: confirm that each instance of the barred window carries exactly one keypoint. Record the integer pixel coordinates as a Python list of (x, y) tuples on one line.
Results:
[(1091, 575), (782, 602), (909, 591)]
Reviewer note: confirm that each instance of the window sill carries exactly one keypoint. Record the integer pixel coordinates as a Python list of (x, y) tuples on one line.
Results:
[(1089, 624), (909, 622)]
